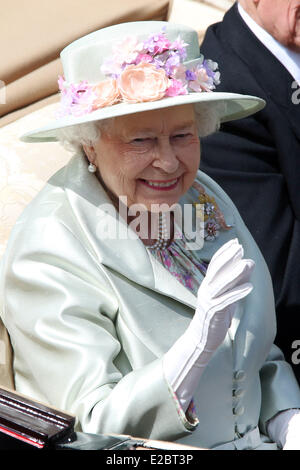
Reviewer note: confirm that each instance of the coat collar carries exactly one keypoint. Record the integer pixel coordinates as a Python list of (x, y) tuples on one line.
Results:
[(271, 75), (98, 221)]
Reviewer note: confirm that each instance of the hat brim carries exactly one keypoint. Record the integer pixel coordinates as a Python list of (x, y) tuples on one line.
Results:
[(236, 106)]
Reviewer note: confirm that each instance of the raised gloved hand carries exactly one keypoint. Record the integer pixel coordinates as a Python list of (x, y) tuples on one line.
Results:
[(226, 282)]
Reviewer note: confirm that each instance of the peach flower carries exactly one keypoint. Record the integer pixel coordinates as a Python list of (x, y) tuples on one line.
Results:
[(143, 82), (107, 93)]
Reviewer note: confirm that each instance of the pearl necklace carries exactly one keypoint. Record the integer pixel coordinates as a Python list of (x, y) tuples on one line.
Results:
[(162, 241)]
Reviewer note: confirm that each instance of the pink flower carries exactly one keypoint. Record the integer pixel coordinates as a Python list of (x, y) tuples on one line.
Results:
[(76, 99), (180, 46), (144, 58), (176, 88), (126, 50), (143, 82), (111, 68), (180, 74), (157, 43), (107, 93), (202, 82)]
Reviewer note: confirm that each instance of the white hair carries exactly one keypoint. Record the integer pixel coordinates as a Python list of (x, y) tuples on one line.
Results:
[(74, 137), (208, 117)]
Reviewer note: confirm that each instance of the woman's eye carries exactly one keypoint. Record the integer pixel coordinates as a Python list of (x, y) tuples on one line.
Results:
[(141, 141), (181, 136), (184, 134)]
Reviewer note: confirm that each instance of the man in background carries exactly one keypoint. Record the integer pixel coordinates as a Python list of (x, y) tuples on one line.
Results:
[(257, 160)]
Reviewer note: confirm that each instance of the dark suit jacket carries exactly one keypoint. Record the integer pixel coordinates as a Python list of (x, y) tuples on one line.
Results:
[(257, 162)]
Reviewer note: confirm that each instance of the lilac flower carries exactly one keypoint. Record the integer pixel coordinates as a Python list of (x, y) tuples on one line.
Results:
[(76, 99), (171, 64), (211, 64), (180, 46), (190, 75), (202, 82), (211, 70), (160, 59), (180, 74), (157, 43)]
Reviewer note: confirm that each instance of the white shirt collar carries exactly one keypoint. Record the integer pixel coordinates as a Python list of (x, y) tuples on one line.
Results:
[(289, 59)]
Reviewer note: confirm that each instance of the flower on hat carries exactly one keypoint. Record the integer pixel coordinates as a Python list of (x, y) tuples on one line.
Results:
[(107, 93), (143, 82), (180, 46), (127, 50), (76, 99), (201, 81), (124, 52), (203, 77), (176, 88), (140, 71), (157, 43), (144, 58)]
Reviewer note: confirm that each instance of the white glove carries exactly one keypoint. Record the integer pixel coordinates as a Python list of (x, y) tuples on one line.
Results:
[(284, 429), (225, 283), (292, 439)]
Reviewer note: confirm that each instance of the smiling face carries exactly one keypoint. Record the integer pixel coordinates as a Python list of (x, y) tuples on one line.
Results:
[(150, 157), (281, 18)]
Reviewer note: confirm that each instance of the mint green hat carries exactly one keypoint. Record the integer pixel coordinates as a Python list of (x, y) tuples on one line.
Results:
[(134, 67)]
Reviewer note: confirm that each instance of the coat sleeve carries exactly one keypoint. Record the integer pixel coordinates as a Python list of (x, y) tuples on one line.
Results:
[(280, 390), (60, 311)]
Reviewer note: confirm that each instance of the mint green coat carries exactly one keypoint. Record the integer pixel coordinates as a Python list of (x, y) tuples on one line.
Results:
[(90, 319)]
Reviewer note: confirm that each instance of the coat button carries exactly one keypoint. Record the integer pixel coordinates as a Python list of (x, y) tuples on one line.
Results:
[(238, 393), (238, 411), (240, 375)]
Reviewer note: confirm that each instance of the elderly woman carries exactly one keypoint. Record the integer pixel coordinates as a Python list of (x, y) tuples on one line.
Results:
[(118, 310)]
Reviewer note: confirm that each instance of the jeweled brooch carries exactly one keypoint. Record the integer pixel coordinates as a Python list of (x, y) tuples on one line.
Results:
[(212, 216)]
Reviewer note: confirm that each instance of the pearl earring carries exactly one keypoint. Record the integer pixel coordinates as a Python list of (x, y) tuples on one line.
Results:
[(92, 168)]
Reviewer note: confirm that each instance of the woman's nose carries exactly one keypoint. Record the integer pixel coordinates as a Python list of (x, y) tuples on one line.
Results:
[(166, 157)]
